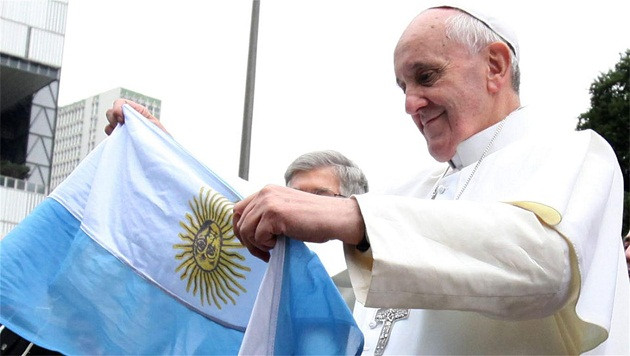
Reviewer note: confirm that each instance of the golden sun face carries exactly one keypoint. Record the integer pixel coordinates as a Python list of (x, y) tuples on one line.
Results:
[(207, 245), (207, 252)]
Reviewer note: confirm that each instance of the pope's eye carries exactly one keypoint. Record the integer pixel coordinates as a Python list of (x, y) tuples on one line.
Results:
[(427, 77)]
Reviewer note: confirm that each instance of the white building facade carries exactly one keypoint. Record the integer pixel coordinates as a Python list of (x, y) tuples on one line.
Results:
[(31, 47)]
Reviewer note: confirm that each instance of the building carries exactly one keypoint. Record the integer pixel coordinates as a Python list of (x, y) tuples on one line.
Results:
[(31, 47), (80, 127)]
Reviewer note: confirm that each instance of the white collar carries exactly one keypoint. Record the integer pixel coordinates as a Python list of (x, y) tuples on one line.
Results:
[(470, 150)]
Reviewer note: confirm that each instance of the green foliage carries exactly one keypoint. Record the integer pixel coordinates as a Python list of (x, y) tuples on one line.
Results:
[(609, 116), (14, 170)]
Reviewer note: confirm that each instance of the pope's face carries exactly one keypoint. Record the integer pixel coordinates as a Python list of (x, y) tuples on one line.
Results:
[(444, 85)]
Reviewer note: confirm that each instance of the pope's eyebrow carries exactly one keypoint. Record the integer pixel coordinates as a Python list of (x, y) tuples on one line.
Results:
[(421, 66)]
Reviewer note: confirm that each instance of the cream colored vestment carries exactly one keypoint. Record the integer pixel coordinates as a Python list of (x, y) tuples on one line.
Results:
[(528, 261)]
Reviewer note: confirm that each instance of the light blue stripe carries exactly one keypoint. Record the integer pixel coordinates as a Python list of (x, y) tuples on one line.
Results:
[(66, 293), (312, 317)]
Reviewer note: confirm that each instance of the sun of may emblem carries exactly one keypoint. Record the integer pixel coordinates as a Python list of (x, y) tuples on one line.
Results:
[(209, 262)]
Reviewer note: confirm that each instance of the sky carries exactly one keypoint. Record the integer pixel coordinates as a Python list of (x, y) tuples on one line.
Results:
[(324, 76)]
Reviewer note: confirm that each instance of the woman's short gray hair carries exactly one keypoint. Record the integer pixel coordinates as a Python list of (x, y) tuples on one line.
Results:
[(351, 177), (469, 31)]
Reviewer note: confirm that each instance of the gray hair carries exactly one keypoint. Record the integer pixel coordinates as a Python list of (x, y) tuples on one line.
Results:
[(473, 33), (351, 177)]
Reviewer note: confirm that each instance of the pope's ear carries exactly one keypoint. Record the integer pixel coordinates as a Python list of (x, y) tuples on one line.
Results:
[(498, 66)]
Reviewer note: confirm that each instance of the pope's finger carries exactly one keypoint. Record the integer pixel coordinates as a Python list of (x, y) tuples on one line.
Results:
[(235, 219), (112, 117), (261, 254), (264, 238), (256, 252), (245, 216), (240, 206)]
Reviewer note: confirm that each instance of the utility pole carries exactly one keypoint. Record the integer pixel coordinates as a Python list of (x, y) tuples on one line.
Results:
[(246, 136)]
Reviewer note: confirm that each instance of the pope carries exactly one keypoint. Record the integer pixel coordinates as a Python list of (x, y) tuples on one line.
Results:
[(510, 245)]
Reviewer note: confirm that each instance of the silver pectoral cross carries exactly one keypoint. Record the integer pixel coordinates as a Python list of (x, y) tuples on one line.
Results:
[(388, 317)]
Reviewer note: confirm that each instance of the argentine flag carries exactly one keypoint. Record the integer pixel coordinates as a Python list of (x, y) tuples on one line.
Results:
[(134, 254)]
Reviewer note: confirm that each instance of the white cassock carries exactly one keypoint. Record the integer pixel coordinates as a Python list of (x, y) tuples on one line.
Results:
[(529, 260)]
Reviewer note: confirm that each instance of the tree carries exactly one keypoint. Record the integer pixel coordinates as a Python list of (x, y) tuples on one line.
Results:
[(609, 116), (15, 170)]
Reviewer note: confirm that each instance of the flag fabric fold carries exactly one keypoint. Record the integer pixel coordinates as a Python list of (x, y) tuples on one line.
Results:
[(134, 254), (291, 317)]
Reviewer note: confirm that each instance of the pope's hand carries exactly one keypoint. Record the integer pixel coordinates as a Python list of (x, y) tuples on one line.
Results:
[(276, 210), (115, 115)]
